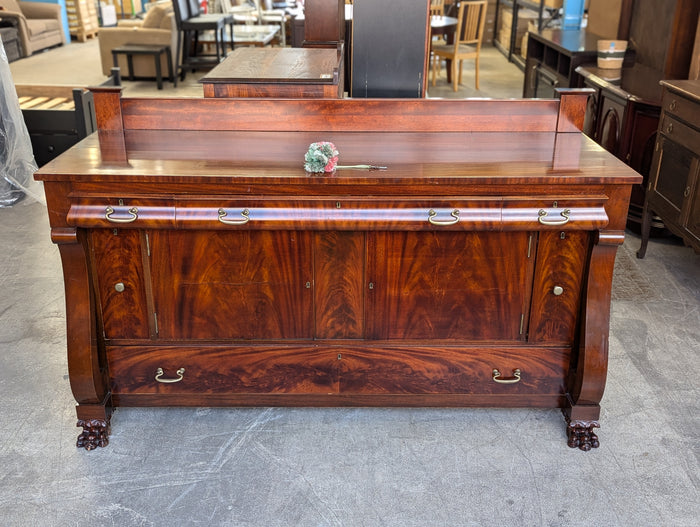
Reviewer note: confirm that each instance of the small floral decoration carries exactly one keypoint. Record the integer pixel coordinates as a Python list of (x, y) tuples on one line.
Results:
[(321, 157)]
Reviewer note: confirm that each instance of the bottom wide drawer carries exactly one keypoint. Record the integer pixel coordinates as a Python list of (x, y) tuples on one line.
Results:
[(337, 370), (458, 370)]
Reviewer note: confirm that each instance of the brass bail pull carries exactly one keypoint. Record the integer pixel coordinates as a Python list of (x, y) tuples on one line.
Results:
[(245, 213), (159, 376), (542, 217), (512, 380), (133, 214), (431, 218)]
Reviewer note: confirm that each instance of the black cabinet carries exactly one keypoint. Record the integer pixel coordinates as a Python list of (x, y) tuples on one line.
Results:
[(552, 58)]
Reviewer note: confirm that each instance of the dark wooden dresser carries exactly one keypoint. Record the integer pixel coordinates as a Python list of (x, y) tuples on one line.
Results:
[(622, 116), (674, 183), (204, 267)]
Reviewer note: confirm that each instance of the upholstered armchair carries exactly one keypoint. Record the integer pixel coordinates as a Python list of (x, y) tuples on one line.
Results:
[(156, 28), (38, 24)]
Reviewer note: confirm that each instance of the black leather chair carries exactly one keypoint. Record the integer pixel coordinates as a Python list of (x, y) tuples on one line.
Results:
[(190, 23)]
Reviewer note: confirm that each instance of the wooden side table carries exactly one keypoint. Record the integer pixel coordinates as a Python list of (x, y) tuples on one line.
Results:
[(278, 72)]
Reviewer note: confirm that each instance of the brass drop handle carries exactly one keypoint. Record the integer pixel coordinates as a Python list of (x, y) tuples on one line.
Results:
[(687, 192), (669, 128), (497, 377), (542, 217), (245, 213), (672, 106), (159, 376), (133, 214), (442, 223)]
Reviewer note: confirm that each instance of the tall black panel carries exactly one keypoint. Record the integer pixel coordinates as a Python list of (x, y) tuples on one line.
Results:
[(389, 45)]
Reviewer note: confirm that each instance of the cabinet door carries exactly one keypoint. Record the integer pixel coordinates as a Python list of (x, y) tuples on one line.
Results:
[(556, 291), (119, 271), (693, 206), (590, 120), (610, 124), (671, 180), (471, 286), (232, 284)]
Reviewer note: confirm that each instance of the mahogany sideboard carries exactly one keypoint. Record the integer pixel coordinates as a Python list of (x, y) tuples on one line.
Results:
[(204, 267)]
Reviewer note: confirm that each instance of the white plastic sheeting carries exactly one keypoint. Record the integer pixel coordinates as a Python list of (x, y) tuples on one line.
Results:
[(17, 165)]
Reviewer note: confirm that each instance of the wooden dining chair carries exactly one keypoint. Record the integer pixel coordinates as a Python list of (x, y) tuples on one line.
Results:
[(471, 19), (437, 7)]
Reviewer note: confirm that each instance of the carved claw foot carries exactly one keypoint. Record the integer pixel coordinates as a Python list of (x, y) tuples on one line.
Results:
[(95, 433), (580, 434)]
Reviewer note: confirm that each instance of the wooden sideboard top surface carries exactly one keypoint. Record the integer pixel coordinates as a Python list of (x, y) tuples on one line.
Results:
[(276, 158), (290, 65)]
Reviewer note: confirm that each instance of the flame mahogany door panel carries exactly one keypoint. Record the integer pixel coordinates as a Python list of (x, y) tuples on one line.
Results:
[(117, 260), (471, 286), (232, 284)]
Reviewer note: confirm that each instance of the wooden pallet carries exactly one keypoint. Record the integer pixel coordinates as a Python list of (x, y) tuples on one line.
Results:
[(82, 36)]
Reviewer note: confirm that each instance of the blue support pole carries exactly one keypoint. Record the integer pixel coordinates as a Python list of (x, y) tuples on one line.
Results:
[(573, 14)]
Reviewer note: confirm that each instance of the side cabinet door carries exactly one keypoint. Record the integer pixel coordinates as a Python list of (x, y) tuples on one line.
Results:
[(472, 286), (119, 274), (556, 291), (233, 284)]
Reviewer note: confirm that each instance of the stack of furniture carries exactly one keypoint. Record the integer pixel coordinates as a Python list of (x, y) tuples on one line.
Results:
[(38, 24), (509, 42), (82, 19)]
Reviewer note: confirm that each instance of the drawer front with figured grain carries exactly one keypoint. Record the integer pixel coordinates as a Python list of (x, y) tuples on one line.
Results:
[(403, 369), (222, 370), (126, 213)]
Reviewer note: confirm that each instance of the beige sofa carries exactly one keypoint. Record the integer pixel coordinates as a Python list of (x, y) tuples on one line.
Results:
[(157, 27), (38, 24)]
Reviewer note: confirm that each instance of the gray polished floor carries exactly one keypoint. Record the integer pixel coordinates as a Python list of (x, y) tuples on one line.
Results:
[(353, 467)]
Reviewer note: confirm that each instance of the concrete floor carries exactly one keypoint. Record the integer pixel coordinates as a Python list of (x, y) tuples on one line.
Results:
[(353, 467)]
